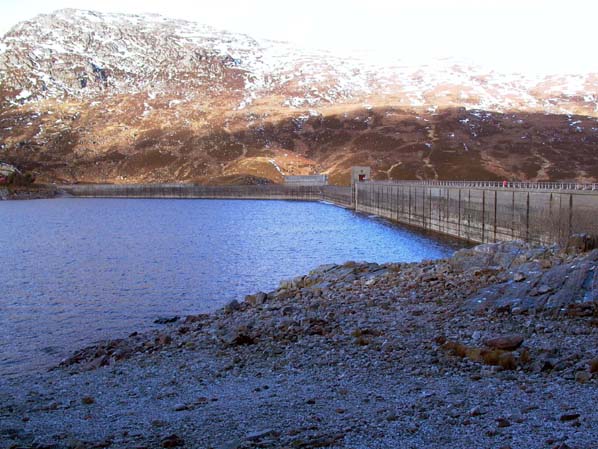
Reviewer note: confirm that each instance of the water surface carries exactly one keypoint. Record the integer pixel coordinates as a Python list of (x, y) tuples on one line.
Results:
[(74, 271)]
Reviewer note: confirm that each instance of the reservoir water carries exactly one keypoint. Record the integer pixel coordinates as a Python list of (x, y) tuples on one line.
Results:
[(75, 271)]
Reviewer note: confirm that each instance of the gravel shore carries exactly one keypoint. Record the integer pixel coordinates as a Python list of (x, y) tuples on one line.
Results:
[(495, 347)]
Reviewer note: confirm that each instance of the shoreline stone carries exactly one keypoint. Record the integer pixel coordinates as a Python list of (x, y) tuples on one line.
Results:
[(505, 342)]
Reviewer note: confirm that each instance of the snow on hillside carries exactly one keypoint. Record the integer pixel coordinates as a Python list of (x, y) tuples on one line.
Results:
[(84, 54)]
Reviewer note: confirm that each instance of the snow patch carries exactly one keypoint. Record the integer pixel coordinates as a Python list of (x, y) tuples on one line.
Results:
[(24, 94), (273, 162), (303, 78), (147, 109)]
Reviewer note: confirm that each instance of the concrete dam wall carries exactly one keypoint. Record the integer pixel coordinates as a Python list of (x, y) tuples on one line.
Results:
[(333, 194), (484, 213)]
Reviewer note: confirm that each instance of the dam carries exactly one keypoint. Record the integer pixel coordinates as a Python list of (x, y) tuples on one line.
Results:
[(485, 212), (481, 212)]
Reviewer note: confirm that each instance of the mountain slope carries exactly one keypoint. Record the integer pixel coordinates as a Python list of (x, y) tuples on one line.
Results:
[(97, 97)]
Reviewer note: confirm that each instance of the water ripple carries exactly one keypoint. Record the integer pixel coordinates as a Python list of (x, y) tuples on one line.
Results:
[(75, 271)]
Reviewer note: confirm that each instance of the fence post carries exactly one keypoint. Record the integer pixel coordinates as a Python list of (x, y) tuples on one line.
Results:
[(468, 214), (459, 216), (439, 208), (409, 219), (401, 190), (448, 210), (495, 210), (513, 217), (483, 213), (423, 206), (550, 220), (527, 219), (570, 215), (397, 199), (430, 217)]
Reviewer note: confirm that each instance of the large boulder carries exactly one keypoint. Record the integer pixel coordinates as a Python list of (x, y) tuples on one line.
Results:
[(507, 342), (504, 255), (564, 287)]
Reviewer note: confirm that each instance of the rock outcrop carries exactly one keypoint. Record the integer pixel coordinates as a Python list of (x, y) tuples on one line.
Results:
[(536, 280)]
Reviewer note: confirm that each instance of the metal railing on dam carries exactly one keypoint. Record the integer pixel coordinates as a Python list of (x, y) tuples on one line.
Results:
[(500, 184), (474, 211)]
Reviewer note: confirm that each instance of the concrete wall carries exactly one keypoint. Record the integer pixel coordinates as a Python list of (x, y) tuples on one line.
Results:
[(306, 180), (334, 194), (338, 195), (483, 214), (271, 191)]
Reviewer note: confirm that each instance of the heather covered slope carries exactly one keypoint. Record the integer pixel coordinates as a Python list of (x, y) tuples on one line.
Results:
[(96, 97)]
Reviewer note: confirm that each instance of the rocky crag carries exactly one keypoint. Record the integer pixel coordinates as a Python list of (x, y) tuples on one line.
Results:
[(93, 97), (16, 185), (494, 347), (35, 192)]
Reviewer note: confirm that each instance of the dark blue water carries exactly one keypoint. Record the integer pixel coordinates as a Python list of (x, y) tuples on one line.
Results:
[(74, 271)]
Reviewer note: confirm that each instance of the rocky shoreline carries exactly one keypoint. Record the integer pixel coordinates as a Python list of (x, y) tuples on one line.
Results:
[(495, 347)]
